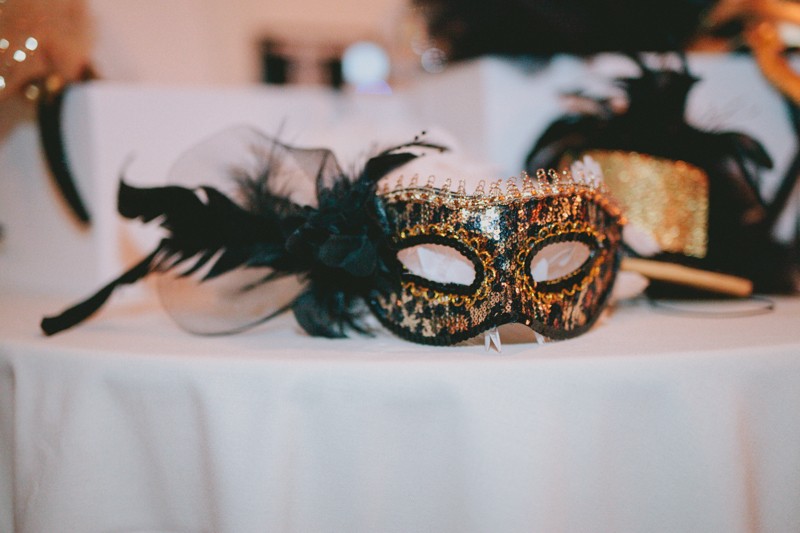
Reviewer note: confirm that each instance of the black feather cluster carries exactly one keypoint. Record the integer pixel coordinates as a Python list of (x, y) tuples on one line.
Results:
[(339, 246), (467, 29)]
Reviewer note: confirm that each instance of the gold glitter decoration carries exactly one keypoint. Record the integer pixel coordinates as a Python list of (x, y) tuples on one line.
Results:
[(668, 199)]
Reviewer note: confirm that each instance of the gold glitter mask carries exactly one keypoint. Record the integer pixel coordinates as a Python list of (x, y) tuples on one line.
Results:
[(543, 253), (667, 199)]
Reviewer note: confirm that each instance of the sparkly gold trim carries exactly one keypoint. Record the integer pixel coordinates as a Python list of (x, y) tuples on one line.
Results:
[(516, 190)]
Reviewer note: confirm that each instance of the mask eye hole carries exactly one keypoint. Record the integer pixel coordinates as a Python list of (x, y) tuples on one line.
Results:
[(559, 260), (438, 263)]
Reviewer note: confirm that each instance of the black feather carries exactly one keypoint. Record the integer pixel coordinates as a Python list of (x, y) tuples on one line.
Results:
[(197, 229), (351, 253), (83, 310), (200, 228), (339, 247)]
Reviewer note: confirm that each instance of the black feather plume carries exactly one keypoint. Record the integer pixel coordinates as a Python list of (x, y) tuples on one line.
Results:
[(338, 247)]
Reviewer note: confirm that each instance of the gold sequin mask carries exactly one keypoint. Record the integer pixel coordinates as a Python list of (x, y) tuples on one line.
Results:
[(544, 252)]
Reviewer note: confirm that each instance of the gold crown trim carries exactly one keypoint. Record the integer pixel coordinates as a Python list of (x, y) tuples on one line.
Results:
[(516, 190)]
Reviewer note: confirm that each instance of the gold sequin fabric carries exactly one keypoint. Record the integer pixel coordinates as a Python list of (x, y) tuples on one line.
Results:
[(501, 234), (668, 199)]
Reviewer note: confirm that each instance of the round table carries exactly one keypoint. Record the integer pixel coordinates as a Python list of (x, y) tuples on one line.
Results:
[(650, 422)]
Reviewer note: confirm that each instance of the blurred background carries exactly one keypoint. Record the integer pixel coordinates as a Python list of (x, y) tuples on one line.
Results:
[(312, 41), (490, 74)]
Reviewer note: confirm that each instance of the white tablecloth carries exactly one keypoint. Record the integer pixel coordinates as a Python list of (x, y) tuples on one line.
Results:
[(648, 423)]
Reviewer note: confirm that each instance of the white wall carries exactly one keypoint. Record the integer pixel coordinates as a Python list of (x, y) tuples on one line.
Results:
[(214, 41)]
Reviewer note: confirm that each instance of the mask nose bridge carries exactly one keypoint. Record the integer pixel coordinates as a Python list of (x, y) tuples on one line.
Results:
[(512, 269)]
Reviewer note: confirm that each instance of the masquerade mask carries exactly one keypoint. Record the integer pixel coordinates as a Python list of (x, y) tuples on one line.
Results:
[(434, 266), (543, 253), (693, 193)]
